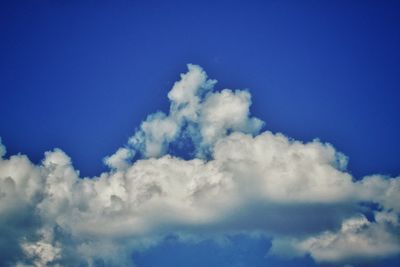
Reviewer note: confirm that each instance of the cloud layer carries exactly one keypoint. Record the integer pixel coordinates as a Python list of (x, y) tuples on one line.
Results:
[(200, 171)]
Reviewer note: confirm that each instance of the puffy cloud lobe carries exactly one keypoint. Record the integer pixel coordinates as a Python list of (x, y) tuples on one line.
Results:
[(383, 191), (120, 159), (155, 135), (285, 170), (187, 92), (42, 252), (195, 112), (226, 111), (297, 193), (357, 239)]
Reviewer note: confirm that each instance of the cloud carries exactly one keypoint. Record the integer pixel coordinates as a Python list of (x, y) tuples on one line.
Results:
[(43, 251), (120, 159), (238, 181), (196, 112), (356, 239)]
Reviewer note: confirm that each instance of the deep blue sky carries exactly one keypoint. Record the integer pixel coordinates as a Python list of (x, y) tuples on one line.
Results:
[(81, 75)]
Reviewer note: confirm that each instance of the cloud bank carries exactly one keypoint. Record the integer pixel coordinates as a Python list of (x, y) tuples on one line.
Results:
[(200, 171)]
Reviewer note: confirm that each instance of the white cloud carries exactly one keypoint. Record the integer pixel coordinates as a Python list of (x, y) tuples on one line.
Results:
[(226, 111), (285, 171), (187, 92), (357, 239), (155, 134), (43, 251), (297, 193), (119, 160), (382, 190), (197, 112)]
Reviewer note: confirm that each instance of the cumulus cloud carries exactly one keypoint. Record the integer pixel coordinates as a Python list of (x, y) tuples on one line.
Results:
[(43, 251), (238, 181), (196, 112), (356, 239), (120, 159)]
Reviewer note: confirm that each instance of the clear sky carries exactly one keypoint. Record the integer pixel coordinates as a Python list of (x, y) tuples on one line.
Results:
[(82, 76)]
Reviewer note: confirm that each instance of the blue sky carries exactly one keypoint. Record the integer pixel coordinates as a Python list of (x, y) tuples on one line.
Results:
[(82, 76)]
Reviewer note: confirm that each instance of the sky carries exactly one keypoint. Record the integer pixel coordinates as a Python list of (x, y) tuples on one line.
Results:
[(199, 133)]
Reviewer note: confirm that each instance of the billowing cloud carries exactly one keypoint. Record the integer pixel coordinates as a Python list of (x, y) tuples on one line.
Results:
[(356, 239), (196, 112), (238, 181)]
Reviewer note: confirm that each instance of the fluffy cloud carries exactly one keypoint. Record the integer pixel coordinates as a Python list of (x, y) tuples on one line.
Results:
[(239, 181), (120, 159), (196, 112), (356, 239)]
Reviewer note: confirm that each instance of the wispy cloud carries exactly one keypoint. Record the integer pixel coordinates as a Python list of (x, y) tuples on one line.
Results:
[(238, 181)]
